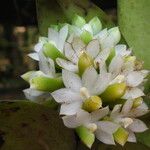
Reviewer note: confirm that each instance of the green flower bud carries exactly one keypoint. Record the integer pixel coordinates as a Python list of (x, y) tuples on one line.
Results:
[(84, 62), (121, 136), (51, 51), (27, 75), (86, 37), (86, 136), (96, 25), (111, 56), (78, 21), (137, 102), (114, 92), (91, 104), (46, 84)]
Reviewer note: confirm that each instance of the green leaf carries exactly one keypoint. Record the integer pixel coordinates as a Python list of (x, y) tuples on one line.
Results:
[(29, 126), (134, 23)]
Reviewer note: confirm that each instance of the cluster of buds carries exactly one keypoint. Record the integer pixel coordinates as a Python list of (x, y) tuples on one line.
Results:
[(97, 82)]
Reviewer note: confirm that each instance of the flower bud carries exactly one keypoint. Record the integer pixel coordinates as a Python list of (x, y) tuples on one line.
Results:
[(84, 62), (114, 92), (46, 84), (86, 136), (137, 102), (51, 51), (96, 25), (121, 136), (86, 37), (78, 21), (91, 104)]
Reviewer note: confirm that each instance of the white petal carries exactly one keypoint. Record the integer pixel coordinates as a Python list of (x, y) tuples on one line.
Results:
[(102, 68), (65, 95), (70, 53), (105, 137), (46, 65), (53, 36), (71, 80), (88, 28), (99, 114), (145, 73), (35, 95), (134, 78), (78, 45), (140, 111), (70, 109), (93, 48), (38, 46), (121, 49), (116, 111), (101, 35), (81, 118), (127, 107), (70, 121), (115, 34), (63, 33), (101, 83), (67, 65), (107, 43), (34, 56), (116, 65), (107, 126), (89, 78), (103, 55), (133, 93), (138, 126), (131, 137)]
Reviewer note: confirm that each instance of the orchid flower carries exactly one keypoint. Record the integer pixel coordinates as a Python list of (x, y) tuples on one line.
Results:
[(122, 124), (81, 92), (38, 80)]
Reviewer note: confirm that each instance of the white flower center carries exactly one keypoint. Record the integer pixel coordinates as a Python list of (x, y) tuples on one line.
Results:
[(126, 122), (84, 93), (92, 127)]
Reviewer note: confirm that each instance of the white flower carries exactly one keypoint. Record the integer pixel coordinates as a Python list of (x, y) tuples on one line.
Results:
[(46, 69), (125, 117), (56, 38), (78, 90), (108, 38), (73, 50)]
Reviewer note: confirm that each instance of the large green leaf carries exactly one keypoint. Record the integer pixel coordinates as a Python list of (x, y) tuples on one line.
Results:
[(28, 126), (134, 23)]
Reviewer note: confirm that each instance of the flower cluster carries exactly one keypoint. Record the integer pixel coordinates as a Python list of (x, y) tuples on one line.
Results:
[(98, 82)]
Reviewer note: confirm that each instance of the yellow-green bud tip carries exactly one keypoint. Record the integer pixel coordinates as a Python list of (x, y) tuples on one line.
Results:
[(121, 136), (84, 62), (91, 104), (137, 102), (114, 92)]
